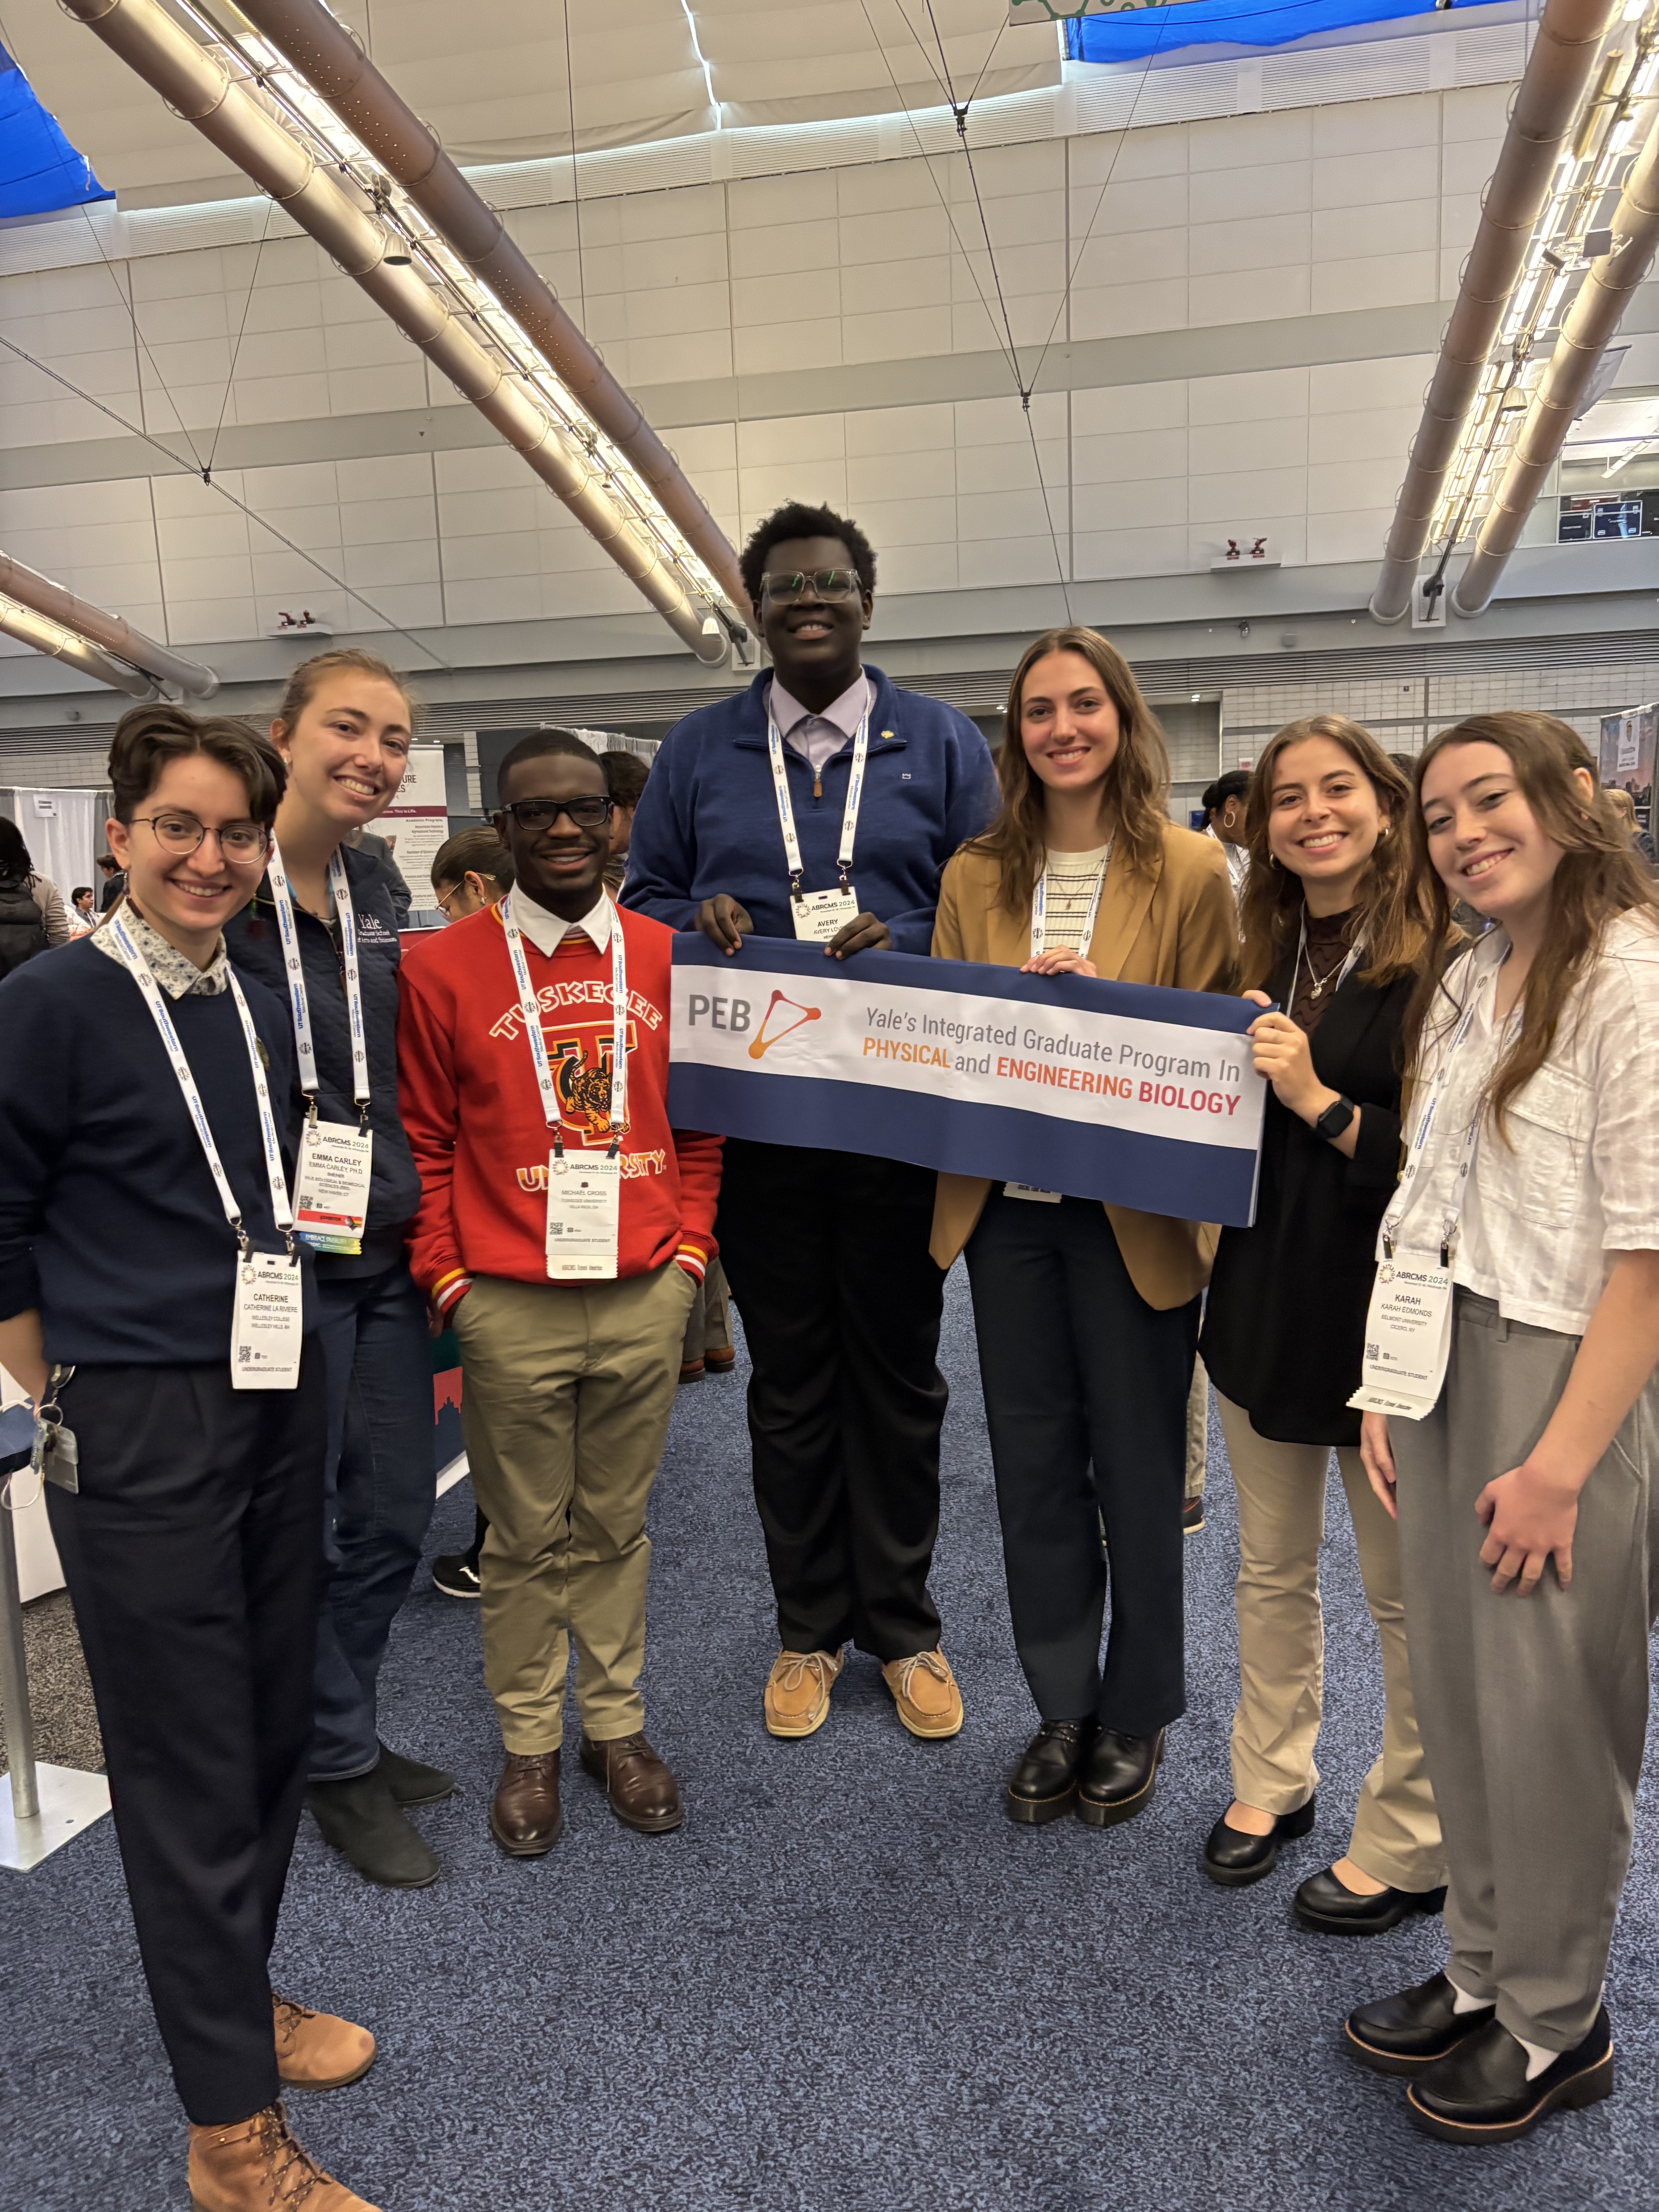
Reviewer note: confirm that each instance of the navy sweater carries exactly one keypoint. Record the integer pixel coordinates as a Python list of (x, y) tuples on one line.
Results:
[(109, 1219), (255, 944), (707, 820)]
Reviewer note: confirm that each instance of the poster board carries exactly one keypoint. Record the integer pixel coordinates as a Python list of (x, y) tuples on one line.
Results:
[(416, 823), (1627, 756)]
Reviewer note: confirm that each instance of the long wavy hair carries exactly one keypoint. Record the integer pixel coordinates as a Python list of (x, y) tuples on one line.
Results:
[(1394, 914), (1135, 794), (1600, 876)]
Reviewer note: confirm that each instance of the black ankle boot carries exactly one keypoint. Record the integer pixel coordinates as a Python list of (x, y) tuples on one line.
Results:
[(364, 1822)]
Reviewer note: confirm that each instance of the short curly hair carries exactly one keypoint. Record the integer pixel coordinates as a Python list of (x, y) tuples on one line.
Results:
[(796, 520)]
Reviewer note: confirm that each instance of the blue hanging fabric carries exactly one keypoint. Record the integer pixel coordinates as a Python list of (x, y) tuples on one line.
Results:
[(1133, 34), (39, 170)]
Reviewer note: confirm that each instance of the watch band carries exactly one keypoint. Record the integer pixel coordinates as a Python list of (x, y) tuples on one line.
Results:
[(1335, 1119)]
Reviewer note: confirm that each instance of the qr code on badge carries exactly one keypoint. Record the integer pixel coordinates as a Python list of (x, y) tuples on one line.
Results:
[(1373, 1350), (245, 1354)]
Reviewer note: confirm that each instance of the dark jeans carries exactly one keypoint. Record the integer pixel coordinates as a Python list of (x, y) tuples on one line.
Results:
[(379, 1481), (1086, 1399), (827, 1256), (191, 1555)]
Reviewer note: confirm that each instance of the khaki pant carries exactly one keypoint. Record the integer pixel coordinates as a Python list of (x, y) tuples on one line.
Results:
[(709, 1328), (1281, 1649), (1198, 1432), (567, 1392)]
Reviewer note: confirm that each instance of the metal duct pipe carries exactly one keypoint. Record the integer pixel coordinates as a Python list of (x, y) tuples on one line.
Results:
[(196, 87), (1569, 35), (115, 635), (1591, 320), (30, 628), (324, 51)]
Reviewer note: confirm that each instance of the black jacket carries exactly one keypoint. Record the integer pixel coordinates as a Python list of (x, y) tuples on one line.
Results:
[(255, 944), (1284, 1323)]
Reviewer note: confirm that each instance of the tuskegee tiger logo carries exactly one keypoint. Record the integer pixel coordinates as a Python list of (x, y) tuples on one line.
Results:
[(580, 1067)]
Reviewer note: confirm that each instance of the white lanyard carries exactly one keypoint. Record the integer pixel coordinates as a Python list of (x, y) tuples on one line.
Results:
[(1040, 907), (1343, 974), (1426, 1120), (139, 969), (849, 820), (532, 1016), (282, 899)]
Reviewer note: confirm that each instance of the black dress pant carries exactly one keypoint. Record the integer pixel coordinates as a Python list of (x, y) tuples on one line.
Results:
[(1086, 1399), (827, 1256), (191, 1556)]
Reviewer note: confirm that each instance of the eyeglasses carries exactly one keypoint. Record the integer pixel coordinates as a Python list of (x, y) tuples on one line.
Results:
[(534, 814), (830, 584), (239, 843)]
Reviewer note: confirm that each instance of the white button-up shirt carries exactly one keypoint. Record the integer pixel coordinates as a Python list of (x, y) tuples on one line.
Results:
[(1578, 1180), (547, 931), (819, 737)]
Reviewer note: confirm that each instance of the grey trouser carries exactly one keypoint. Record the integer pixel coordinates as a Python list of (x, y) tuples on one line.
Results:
[(1533, 1709)]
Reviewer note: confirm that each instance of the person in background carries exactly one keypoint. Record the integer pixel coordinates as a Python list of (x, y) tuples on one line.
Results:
[(32, 913), (1622, 803), (1525, 1490), (625, 775), (826, 1251), (1086, 1314), (534, 1046), (1224, 809), (1334, 930), (138, 1085), (378, 848), (470, 871), (343, 729), (81, 915), (114, 883)]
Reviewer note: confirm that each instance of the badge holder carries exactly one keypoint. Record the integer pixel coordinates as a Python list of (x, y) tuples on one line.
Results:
[(821, 916), (267, 1325), (331, 1183), (584, 1215)]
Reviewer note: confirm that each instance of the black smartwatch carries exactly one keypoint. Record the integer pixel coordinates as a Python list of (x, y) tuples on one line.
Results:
[(1335, 1120)]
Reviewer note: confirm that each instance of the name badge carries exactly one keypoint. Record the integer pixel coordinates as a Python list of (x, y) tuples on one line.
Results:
[(1031, 1190), (821, 915), (267, 1328), (330, 1200), (1407, 1337), (584, 1192), (56, 1456)]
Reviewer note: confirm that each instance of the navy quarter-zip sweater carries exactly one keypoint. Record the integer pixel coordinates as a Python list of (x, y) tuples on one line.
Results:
[(254, 942), (109, 1220), (708, 819)]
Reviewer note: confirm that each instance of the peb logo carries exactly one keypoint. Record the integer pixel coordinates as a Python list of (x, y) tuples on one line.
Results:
[(782, 1018)]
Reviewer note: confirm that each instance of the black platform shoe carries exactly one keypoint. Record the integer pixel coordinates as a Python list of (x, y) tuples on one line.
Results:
[(1324, 1906), (1044, 1784), (1235, 1859), (1479, 2093), (1119, 1778), (1409, 2032)]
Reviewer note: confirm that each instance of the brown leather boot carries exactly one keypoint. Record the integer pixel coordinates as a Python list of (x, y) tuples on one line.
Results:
[(315, 2049), (256, 2165), (642, 1792), (525, 1818)]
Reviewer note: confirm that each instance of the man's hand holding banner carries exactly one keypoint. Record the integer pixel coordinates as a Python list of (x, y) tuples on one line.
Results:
[(1123, 1091)]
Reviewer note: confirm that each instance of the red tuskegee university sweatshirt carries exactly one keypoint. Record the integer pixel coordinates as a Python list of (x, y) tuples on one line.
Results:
[(470, 1104)]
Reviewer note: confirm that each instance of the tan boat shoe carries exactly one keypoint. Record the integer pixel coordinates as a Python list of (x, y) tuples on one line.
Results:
[(315, 2049), (797, 1700), (924, 1691), (256, 2164)]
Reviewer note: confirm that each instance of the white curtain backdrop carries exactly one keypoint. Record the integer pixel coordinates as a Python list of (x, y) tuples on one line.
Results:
[(62, 831)]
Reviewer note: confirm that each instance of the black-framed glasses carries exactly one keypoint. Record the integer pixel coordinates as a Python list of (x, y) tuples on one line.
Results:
[(239, 843), (533, 814), (830, 584)]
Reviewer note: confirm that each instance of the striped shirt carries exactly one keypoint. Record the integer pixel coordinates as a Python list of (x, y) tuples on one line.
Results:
[(1068, 887)]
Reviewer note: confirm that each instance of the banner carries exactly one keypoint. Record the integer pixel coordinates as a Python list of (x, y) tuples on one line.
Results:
[(1112, 1090)]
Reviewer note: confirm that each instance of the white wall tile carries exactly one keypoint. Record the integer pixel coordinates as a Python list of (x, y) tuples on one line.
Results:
[(1382, 226), (1255, 396), (1129, 407), (1279, 241), (1380, 280), (1128, 456), (1235, 195), (1130, 552), (1246, 295), (1117, 311)]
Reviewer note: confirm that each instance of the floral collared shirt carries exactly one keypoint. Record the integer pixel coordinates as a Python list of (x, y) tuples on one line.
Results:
[(178, 976)]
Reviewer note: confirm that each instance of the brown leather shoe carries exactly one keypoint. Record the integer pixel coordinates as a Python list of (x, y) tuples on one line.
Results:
[(255, 2163), (525, 1818), (315, 2049), (924, 1691), (643, 1793), (720, 1363), (796, 1701), (690, 1371)]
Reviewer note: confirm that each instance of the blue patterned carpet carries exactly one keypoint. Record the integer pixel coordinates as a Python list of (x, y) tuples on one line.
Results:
[(849, 1984)]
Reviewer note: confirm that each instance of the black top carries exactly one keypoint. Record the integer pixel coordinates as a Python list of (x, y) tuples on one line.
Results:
[(1284, 1323), (255, 944), (109, 1219)]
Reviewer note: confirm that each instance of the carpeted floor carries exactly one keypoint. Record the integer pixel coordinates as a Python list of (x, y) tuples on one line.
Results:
[(60, 1695), (849, 1984)]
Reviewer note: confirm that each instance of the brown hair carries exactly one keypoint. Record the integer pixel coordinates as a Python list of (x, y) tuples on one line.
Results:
[(475, 852), (1394, 918), (1136, 787), (1623, 804), (147, 737), (1600, 876), (297, 691)]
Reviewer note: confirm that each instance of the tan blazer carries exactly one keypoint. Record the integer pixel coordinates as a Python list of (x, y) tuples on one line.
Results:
[(1176, 927)]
